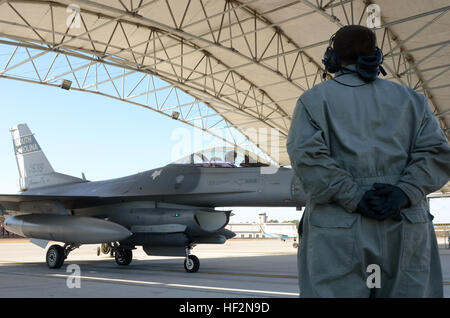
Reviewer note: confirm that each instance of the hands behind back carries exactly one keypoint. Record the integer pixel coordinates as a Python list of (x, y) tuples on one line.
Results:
[(383, 201)]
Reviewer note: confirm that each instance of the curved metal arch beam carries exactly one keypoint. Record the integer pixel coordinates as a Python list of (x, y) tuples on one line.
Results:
[(219, 137), (268, 25), (112, 19), (272, 102), (171, 32), (187, 89), (333, 19), (104, 58), (185, 36), (191, 90)]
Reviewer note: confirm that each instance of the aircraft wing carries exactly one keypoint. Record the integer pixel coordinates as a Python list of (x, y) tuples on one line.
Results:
[(19, 198), (14, 201)]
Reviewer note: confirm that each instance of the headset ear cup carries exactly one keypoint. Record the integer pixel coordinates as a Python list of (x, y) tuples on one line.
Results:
[(331, 60), (379, 55)]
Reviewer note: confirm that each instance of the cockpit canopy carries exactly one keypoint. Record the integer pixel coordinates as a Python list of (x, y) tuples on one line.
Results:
[(223, 157)]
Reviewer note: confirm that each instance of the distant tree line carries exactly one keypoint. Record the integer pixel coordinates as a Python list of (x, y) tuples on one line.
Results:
[(291, 221)]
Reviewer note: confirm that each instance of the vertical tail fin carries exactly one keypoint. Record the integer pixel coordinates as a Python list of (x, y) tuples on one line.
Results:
[(35, 170)]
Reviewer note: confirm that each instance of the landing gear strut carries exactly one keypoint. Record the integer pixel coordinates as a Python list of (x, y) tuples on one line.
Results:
[(56, 254), (191, 262), (105, 248)]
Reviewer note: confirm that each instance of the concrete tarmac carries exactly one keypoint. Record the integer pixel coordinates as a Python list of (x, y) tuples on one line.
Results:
[(239, 268)]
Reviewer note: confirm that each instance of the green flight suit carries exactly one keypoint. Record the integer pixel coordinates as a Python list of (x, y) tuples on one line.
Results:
[(342, 140)]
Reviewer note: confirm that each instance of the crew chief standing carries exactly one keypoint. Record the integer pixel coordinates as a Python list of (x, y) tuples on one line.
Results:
[(367, 152)]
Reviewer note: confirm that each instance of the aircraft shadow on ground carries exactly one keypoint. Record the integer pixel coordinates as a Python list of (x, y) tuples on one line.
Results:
[(270, 265)]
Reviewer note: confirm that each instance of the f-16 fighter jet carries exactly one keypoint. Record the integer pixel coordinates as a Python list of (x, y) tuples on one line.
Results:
[(167, 210)]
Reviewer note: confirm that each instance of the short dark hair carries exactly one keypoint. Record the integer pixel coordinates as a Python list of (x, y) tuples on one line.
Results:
[(352, 41)]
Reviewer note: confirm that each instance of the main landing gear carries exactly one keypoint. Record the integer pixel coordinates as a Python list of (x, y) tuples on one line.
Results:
[(123, 255), (56, 254)]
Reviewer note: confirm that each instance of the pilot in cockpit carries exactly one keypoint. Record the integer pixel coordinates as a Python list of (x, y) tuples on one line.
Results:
[(230, 156)]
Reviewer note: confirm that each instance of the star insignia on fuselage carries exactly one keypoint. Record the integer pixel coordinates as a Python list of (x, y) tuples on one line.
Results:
[(156, 174)]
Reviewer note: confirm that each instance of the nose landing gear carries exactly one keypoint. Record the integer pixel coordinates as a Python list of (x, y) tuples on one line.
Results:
[(191, 262)]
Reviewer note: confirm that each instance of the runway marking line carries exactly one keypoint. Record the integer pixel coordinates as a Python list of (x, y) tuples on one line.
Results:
[(116, 280), (237, 274), (209, 273)]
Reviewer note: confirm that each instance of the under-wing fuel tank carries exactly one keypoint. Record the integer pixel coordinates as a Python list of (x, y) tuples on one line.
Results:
[(66, 228)]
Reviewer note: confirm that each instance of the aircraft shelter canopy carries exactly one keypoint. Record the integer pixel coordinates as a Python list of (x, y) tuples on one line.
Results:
[(243, 64)]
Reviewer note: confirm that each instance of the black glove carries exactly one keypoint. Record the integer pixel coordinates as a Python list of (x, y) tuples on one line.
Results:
[(364, 208), (391, 199)]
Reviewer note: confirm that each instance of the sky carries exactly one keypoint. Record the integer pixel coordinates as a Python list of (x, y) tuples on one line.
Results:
[(105, 138)]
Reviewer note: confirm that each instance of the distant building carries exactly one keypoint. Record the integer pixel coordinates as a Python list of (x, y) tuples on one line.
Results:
[(443, 234), (263, 229)]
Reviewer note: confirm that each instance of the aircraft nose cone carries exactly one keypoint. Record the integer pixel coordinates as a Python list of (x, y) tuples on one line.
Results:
[(13, 225)]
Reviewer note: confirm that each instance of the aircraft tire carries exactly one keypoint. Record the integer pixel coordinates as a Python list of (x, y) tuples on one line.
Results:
[(124, 257), (193, 265), (55, 256)]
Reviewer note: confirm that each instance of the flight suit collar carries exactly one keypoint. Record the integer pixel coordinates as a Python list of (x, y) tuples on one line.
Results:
[(348, 76), (351, 67)]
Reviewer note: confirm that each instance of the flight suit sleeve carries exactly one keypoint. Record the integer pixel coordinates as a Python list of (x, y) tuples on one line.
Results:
[(323, 180), (428, 168)]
